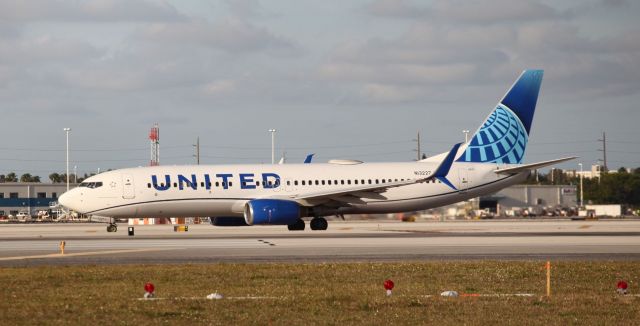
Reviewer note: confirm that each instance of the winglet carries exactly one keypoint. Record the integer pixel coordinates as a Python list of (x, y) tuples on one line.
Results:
[(443, 169), (309, 158)]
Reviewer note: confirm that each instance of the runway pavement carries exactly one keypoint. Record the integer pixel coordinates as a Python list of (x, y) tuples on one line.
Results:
[(38, 244)]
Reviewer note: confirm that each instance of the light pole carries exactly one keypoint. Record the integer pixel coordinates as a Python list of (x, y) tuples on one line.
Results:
[(66, 130), (75, 174), (273, 145), (581, 189), (466, 135)]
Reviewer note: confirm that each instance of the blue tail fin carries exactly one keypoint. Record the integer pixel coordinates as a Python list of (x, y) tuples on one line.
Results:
[(503, 136)]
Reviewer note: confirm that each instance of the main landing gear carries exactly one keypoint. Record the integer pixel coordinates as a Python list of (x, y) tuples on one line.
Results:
[(317, 223), (112, 227), (297, 226)]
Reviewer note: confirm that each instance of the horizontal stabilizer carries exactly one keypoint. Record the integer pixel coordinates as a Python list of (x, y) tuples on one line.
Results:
[(532, 166), (443, 169)]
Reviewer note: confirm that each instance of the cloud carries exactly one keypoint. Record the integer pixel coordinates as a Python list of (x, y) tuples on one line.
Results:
[(230, 35), (87, 11), (219, 87), (473, 45), (462, 12)]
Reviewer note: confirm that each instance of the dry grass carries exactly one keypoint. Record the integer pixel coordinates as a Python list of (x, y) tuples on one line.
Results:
[(584, 293)]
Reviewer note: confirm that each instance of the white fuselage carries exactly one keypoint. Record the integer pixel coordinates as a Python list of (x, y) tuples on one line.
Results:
[(223, 190)]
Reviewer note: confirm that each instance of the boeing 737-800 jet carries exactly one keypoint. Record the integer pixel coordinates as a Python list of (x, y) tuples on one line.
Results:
[(285, 194)]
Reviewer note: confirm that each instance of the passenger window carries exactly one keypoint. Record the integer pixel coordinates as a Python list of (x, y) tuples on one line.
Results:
[(303, 183), (217, 184), (317, 183), (295, 183), (355, 181), (148, 185), (323, 182), (288, 183), (230, 184), (175, 185), (362, 181), (348, 181), (202, 184), (341, 182), (369, 181), (257, 183)]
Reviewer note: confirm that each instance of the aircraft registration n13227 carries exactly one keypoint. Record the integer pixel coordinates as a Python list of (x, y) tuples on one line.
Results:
[(288, 194)]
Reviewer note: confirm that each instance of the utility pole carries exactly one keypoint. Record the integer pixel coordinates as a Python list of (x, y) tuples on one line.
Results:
[(604, 152), (273, 145), (197, 148), (66, 130), (419, 150), (581, 188)]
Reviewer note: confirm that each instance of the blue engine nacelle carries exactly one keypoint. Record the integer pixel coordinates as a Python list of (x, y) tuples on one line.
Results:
[(227, 221), (272, 212)]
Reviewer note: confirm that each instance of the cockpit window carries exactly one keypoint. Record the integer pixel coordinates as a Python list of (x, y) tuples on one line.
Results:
[(91, 185)]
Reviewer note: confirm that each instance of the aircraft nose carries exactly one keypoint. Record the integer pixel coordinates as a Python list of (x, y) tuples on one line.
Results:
[(67, 201)]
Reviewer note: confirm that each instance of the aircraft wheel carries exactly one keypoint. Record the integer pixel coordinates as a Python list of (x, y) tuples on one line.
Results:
[(112, 228), (319, 223), (297, 226)]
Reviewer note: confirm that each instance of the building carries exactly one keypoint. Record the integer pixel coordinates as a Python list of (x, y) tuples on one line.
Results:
[(29, 197), (533, 198), (595, 172)]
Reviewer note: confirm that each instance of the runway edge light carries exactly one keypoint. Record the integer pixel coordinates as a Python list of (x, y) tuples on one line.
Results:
[(388, 285), (149, 290), (622, 287)]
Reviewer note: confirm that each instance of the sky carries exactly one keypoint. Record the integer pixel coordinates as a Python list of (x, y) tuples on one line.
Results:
[(341, 79)]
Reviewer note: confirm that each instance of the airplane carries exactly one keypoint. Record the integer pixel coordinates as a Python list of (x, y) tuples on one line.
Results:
[(287, 194)]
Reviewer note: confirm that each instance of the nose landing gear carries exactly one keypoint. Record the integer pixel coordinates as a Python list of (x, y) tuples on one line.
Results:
[(112, 227)]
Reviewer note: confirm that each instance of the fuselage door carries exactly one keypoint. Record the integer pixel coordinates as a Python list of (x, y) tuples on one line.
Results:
[(128, 190), (464, 181)]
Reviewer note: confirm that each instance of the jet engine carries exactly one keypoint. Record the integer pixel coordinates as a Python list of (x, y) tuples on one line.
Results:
[(272, 212)]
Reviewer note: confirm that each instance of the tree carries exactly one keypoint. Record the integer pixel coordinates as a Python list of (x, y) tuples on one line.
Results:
[(25, 177), (55, 177), (3, 178), (11, 177)]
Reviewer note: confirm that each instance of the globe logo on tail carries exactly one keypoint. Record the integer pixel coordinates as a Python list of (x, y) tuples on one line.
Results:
[(501, 139)]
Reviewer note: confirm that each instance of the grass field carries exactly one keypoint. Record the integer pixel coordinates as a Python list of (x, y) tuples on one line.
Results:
[(331, 293)]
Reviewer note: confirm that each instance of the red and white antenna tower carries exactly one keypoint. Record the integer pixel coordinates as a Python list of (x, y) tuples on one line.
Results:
[(154, 136)]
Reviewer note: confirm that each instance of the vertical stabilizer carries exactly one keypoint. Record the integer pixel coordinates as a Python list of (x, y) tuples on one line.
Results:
[(503, 136)]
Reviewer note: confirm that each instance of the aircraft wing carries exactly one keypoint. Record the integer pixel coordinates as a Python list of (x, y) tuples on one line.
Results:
[(354, 194), (532, 166)]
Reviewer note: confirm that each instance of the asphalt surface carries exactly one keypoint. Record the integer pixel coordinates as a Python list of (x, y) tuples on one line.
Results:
[(38, 244)]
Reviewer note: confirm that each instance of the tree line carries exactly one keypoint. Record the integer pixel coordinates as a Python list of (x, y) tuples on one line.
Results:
[(621, 187), (53, 177)]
